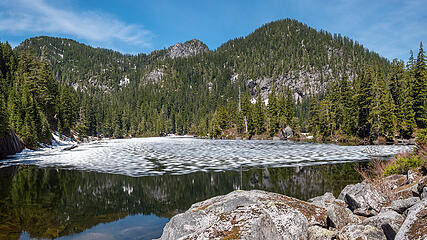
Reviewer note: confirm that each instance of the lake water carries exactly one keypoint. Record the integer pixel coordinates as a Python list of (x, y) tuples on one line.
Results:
[(129, 189)]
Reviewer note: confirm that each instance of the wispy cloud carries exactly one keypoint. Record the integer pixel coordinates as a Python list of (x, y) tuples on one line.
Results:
[(390, 27), (40, 17)]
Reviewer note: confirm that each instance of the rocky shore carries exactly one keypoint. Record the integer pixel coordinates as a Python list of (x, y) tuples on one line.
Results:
[(395, 208)]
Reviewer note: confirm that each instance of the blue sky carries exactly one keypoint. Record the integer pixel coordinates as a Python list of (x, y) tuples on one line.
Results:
[(389, 27)]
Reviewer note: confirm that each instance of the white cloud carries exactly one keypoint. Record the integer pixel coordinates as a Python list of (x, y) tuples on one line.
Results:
[(39, 17), (390, 27)]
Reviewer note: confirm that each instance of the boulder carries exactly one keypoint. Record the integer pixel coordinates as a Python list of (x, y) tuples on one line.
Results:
[(10, 144), (401, 205), (360, 232), (287, 132), (424, 193), (338, 214), (339, 217), (414, 175), (415, 225), (319, 233), (394, 181), (366, 212), (389, 221), (405, 191), (422, 183), (246, 215), (322, 200), (363, 195)]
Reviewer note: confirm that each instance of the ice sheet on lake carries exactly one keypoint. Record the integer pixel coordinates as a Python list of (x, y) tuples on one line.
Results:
[(156, 156)]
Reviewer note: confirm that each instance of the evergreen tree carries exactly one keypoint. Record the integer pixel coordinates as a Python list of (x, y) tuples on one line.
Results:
[(420, 89), (273, 112), (259, 116), (382, 118)]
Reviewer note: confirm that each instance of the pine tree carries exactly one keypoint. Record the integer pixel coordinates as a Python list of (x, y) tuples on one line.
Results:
[(406, 115), (273, 112), (364, 98), (259, 116), (382, 118), (420, 89)]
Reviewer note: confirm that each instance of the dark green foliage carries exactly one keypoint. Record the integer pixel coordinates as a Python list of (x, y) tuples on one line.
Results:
[(4, 118)]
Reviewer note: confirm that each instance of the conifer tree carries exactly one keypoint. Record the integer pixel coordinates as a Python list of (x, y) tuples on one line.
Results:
[(259, 116), (420, 89), (273, 112)]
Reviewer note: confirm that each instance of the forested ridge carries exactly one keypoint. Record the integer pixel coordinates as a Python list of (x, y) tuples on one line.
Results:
[(283, 74)]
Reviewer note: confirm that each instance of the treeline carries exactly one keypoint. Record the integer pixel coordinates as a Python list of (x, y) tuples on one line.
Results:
[(377, 104)]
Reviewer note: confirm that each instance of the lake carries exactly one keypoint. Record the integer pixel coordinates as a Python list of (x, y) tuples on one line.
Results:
[(130, 188)]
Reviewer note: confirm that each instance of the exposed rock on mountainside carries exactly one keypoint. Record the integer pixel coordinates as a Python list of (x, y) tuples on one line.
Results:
[(187, 49)]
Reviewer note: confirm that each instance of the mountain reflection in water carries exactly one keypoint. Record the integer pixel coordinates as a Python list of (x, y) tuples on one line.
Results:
[(50, 203)]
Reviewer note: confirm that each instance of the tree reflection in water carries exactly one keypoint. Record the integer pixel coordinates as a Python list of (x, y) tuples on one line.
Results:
[(50, 203)]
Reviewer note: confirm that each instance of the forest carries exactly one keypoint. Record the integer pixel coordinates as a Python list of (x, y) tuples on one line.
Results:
[(58, 85)]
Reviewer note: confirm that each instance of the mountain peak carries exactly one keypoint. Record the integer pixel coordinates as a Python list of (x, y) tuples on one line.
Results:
[(189, 48)]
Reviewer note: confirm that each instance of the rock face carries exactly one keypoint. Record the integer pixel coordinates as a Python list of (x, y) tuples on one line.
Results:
[(187, 49), (246, 215), (415, 225), (10, 145)]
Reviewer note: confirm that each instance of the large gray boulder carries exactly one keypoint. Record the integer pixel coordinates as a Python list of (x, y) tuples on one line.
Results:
[(389, 221), (363, 195), (415, 225), (360, 232), (246, 215), (401, 205)]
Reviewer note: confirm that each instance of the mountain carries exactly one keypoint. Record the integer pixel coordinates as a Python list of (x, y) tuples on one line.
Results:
[(286, 52), (312, 81), (190, 48)]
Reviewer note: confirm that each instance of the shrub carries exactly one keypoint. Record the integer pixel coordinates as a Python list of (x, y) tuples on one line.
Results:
[(422, 136), (402, 164)]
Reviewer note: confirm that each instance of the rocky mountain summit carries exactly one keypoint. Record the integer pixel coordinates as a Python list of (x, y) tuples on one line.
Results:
[(396, 208), (187, 49)]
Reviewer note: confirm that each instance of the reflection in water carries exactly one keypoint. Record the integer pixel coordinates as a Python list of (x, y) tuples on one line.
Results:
[(49, 203)]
